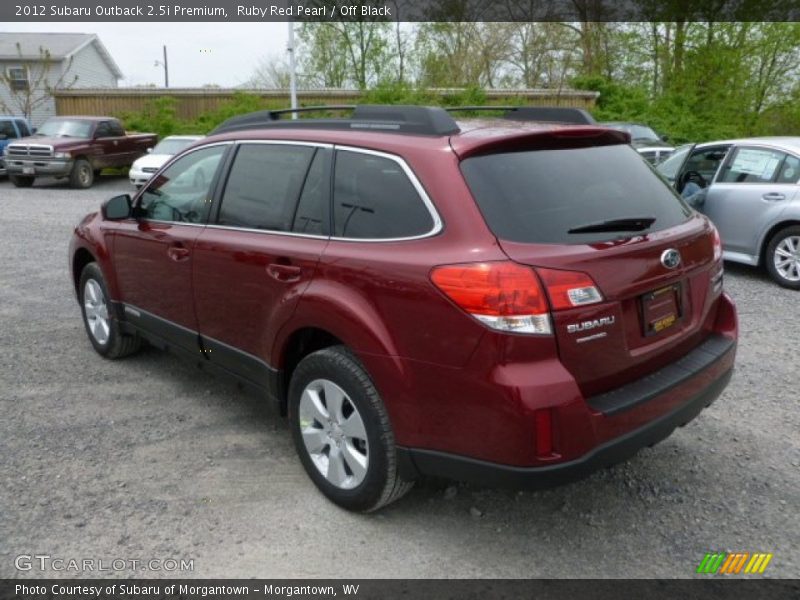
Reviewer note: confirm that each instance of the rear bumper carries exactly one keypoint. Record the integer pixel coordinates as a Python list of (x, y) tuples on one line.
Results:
[(416, 462)]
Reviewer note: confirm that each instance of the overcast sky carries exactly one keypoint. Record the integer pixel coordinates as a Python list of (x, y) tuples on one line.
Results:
[(198, 53)]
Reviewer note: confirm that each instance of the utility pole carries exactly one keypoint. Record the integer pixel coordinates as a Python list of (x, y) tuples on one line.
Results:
[(163, 63), (292, 69), (166, 68)]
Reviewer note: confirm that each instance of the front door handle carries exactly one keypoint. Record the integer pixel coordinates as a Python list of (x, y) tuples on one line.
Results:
[(284, 273), (773, 197), (178, 253)]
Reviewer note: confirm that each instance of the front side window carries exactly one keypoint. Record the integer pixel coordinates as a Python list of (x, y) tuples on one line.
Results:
[(115, 129), (752, 165), (23, 129), (182, 192), (263, 186), (373, 198), (102, 130), (7, 129)]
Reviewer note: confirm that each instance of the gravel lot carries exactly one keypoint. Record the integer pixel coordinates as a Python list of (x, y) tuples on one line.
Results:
[(150, 458)]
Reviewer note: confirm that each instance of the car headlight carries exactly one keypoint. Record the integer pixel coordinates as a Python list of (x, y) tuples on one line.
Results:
[(61, 155)]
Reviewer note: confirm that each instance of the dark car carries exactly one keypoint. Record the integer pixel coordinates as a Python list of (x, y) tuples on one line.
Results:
[(648, 143), (492, 301), (77, 148)]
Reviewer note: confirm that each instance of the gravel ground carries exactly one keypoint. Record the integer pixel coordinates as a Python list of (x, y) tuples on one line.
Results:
[(149, 458)]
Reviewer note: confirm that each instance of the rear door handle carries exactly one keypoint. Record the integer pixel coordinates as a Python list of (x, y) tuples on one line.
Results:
[(773, 197), (178, 253), (284, 273)]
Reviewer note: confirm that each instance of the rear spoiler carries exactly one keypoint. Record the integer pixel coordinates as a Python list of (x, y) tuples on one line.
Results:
[(557, 138)]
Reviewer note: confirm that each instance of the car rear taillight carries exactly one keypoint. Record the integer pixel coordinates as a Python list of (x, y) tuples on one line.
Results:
[(568, 289), (717, 243), (503, 295)]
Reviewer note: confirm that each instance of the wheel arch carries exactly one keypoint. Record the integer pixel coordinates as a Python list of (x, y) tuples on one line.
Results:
[(771, 233), (80, 259)]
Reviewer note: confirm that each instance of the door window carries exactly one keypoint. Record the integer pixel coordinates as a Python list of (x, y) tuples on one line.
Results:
[(115, 129), (373, 198), (182, 192), (790, 170), (7, 129), (102, 130), (752, 165), (311, 214), (263, 186), (23, 128)]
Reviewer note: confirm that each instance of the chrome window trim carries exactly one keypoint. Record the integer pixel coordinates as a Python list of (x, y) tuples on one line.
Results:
[(438, 225)]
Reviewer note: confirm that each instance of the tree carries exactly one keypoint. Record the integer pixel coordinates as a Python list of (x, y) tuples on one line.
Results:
[(272, 72), (31, 85)]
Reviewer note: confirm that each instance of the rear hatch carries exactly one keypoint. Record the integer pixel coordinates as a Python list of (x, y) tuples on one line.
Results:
[(593, 206)]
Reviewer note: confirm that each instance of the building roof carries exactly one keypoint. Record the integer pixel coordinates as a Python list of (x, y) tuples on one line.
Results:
[(60, 45)]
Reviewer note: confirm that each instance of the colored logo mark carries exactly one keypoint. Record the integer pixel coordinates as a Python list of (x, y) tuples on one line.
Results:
[(725, 563)]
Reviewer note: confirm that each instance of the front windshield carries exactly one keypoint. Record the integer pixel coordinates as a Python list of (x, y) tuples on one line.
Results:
[(66, 128), (171, 147), (669, 167)]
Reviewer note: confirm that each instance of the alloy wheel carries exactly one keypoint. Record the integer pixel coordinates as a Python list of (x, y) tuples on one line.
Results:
[(787, 258), (333, 433), (96, 311)]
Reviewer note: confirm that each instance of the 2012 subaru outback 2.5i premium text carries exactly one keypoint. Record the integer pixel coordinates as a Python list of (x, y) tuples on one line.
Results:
[(498, 301)]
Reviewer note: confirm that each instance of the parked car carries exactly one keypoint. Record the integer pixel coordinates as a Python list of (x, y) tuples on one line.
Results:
[(144, 167), (11, 128), (391, 281), (74, 147), (751, 193), (647, 142)]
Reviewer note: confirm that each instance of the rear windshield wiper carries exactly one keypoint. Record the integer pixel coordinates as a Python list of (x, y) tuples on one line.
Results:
[(629, 224)]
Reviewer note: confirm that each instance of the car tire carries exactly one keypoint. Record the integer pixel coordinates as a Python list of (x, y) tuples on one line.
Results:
[(783, 257), (102, 327), (82, 176), (342, 433), (21, 181)]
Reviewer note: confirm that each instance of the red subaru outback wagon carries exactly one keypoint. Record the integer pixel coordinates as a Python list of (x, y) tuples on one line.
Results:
[(500, 301)]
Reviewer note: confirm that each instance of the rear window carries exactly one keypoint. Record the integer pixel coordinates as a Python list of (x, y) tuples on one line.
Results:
[(538, 196)]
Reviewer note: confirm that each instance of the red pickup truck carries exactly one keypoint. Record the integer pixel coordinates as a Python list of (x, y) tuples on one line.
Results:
[(74, 147)]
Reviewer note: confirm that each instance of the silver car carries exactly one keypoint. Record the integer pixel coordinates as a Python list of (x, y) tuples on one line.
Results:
[(749, 189)]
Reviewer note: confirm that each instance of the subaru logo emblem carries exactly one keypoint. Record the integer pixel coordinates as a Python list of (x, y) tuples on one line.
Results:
[(671, 258)]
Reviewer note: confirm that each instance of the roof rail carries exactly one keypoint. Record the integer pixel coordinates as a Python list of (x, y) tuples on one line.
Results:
[(546, 114), (424, 120)]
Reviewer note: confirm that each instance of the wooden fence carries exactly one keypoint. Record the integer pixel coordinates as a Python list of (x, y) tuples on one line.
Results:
[(193, 102)]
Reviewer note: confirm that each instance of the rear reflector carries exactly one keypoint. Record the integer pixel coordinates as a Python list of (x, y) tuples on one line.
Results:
[(543, 425), (502, 295), (568, 289)]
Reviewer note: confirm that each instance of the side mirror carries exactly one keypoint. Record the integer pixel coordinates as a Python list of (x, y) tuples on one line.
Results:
[(117, 208), (664, 138), (34, 130), (149, 150)]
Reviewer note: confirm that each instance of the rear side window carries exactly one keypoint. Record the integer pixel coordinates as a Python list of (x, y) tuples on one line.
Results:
[(264, 185), (373, 198), (115, 129), (752, 165), (539, 196), (310, 216)]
